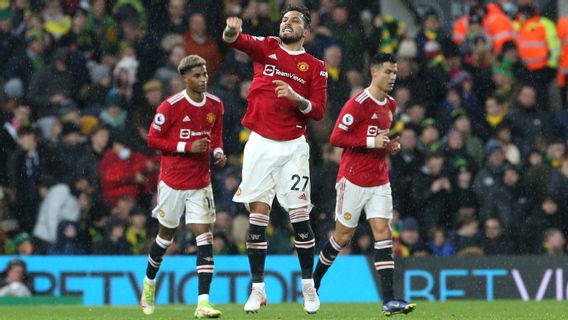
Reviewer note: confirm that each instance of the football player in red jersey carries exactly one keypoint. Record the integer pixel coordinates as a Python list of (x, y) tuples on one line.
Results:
[(288, 89), (362, 130), (186, 127)]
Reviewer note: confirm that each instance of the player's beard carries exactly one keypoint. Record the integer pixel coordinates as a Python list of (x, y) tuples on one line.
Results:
[(290, 39)]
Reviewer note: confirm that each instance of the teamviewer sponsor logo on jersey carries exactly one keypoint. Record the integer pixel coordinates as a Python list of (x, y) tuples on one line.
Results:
[(269, 70), (373, 131), (184, 134)]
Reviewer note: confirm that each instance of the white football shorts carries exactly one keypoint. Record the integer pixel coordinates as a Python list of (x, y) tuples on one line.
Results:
[(275, 168), (352, 199), (198, 206)]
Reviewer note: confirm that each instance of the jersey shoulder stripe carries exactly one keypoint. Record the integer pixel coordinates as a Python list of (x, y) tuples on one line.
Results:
[(175, 98), (362, 97), (212, 96)]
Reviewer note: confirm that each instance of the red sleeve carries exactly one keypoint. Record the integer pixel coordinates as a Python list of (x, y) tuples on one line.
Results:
[(346, 132), (318, 94), (157, 136), (217, 130), (252, 45)]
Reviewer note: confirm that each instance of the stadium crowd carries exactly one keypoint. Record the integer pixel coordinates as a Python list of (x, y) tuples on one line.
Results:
[(482, 119)]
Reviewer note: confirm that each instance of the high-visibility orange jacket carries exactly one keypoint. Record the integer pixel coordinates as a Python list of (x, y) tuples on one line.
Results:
[(496, 24), (538, 42), (562, 29)]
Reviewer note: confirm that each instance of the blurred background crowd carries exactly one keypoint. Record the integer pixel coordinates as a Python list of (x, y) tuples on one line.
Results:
[(482, 120)]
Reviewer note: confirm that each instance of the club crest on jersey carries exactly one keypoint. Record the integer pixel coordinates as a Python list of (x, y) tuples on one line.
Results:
[(184, 134), (238, 193), (303, 66), (269, 70), (162, 214), (210, 117), (347, 216)]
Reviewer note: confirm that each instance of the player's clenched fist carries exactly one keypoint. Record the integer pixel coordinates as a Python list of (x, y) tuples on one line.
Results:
[(220, 159), (200, 145), (382, 140), (234, 25), (393, 145)]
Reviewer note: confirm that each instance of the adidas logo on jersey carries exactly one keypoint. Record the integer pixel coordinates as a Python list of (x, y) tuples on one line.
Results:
[(186, 119), (273, 56), (375, 116)]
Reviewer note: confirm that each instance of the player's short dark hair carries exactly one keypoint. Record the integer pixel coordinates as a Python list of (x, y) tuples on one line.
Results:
[(301, 9), (190, 62), (381, 58)]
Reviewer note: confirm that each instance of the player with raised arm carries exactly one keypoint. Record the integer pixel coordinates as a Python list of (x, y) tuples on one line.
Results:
[(288, 89), (362, 130), (186, 127)]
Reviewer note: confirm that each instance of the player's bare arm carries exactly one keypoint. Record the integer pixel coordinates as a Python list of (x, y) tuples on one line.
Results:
[(234, 26), (283, 90)]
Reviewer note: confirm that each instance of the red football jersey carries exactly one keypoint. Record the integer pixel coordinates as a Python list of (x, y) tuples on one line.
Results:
[(178, 122), (279, 118), (360, 121)]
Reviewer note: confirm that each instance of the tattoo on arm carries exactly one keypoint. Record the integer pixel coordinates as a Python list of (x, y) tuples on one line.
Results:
[(303, 103)]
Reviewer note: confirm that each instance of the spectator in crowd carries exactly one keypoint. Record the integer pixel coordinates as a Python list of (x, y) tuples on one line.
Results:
[(67, 240), (337, 87), (490, 179), (25, 166), (29, 60), (540, 50), (405, 167), (548, 215), (529, 122), (168, 70), (439, 244), (431, 192), (175, 21), (19, 118), (348, 36), (466, 238), (58, 204), (557, 185), (409, 236), (91, 154), (121, 171), (114, 241), (197, 41), (14, 280), (145, 46), (137, 233), (495, 241), (554, 242)]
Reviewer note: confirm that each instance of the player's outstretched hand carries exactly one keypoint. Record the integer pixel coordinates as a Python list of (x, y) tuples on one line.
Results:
[(234, 25), (200, 145), (283, 90), (220, 159), (393, 145)]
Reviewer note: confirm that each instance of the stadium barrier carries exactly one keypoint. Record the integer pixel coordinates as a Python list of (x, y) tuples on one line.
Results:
[(117, 280)]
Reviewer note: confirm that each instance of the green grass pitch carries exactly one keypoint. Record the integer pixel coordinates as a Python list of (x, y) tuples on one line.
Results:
[(543, 310)]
